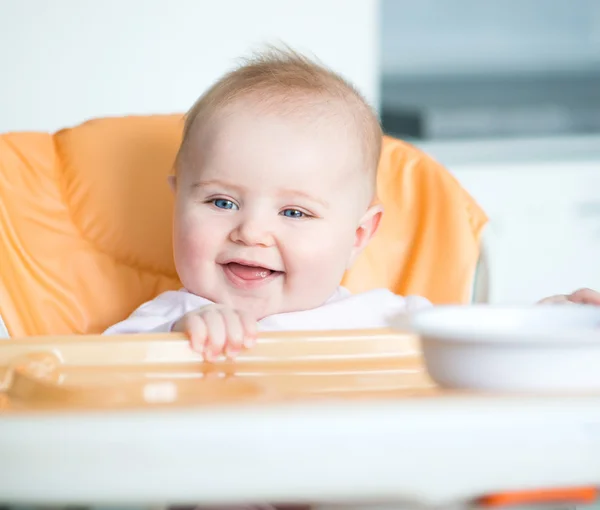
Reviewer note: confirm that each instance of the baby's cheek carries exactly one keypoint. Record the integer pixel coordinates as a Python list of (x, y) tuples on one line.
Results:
[(193, 242), (323, 259)]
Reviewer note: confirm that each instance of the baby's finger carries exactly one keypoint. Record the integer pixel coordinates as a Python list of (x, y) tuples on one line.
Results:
[(553, 300), (250, 329), (215, 326), (196, 330), (234, 332), (585, 296)]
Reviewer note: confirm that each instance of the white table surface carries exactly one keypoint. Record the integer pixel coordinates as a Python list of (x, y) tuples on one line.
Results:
[(428, 451)]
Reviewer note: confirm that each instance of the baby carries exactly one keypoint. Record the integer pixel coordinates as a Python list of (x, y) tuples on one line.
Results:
[(274, 200)]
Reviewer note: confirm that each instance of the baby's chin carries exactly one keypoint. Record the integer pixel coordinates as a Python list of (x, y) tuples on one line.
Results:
[(277, 305), (262, 306)]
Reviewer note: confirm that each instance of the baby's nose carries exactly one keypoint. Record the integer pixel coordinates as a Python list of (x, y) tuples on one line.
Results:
[(253, 232)]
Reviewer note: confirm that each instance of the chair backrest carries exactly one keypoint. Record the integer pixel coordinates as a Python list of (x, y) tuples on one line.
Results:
[(85, 225)]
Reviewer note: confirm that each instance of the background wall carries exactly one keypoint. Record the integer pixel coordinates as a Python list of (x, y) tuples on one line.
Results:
[(68, 60)]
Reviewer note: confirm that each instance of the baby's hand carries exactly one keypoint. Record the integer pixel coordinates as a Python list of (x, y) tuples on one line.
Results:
[(216, 329), (581, 296)]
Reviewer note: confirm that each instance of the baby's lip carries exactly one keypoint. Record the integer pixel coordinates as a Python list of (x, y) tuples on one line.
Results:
[(250, 263)]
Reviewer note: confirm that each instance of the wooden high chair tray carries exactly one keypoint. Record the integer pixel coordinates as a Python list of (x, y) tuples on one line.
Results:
[(338, 416), (137, 371)]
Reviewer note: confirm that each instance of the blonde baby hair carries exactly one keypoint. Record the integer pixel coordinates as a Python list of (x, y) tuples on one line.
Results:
[(287, 81)]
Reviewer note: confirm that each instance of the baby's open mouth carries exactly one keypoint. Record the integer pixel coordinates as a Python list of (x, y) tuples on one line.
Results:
[(250, 272)]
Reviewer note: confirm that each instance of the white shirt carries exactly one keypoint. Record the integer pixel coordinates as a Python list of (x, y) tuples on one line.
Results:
[(372, 309)]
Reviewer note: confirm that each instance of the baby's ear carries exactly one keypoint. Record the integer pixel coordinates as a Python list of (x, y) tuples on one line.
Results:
[(366, 230), (172, 182)]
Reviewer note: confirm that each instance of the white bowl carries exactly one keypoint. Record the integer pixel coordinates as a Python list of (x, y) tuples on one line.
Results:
[(545, 348)]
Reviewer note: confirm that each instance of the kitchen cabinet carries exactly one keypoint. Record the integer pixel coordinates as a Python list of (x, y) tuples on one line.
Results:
[(544, 232)]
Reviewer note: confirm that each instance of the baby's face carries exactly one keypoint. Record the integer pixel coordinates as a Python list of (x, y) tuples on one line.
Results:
[(269, 211)]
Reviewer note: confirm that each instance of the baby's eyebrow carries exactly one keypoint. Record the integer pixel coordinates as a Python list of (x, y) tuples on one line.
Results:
[(302, 194), (216, 183)]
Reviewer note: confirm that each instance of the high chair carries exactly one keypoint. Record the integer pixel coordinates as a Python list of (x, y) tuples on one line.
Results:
[(319, 417)]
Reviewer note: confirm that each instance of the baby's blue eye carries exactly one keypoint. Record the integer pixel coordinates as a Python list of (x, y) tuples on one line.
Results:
[(222, 203), (293, 213)]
